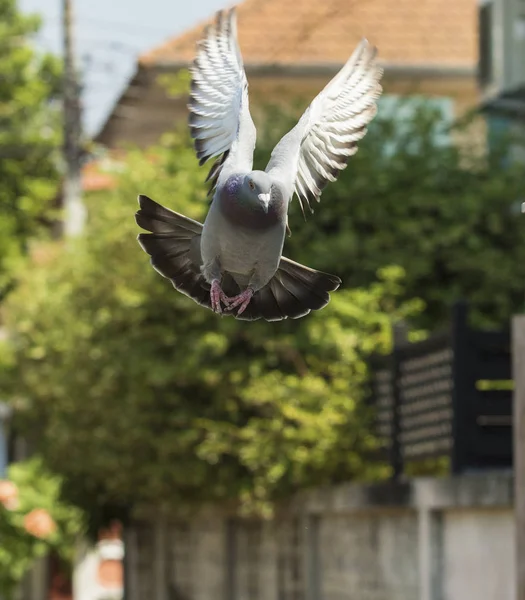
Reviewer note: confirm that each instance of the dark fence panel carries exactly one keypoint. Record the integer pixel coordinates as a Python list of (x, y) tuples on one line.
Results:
[(449, 395)]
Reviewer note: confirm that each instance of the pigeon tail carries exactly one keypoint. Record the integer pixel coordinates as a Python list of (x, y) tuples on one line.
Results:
[(293, 292), (174, 247)]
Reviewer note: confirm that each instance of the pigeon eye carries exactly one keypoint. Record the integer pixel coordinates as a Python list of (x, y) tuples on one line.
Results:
[(251, 185)]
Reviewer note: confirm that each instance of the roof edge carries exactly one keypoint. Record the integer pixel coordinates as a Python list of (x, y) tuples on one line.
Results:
[(510, 102), (134, 80), (312, 69)]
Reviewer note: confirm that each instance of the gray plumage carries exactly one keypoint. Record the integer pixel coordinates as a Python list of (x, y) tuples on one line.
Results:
[(235, 258)]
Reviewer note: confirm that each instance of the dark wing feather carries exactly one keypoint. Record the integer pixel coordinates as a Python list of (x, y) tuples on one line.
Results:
[(173, 243), (293, 292), (174, 247)]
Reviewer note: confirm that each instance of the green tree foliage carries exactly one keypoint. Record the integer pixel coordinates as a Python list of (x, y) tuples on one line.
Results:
[(424, 197), (138, 395), (37, 492), (28, 135), (424, 193)]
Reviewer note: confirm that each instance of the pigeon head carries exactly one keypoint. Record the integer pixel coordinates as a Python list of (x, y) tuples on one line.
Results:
[(251, 201), (256, 189)]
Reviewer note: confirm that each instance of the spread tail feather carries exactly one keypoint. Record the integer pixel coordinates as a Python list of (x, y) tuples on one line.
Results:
[(173, 243), (174, 247), (293, 292)]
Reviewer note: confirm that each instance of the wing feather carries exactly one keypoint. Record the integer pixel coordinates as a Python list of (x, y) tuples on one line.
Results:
[(220, 122), (320, 145)]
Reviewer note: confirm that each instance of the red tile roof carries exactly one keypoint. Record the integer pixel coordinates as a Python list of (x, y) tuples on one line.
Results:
[(316, 32)]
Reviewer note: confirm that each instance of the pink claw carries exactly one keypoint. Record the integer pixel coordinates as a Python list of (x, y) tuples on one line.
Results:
[(216, 296), (241, 300)]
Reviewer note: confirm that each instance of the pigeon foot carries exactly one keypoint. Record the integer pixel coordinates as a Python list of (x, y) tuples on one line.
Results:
[(217, 296), (241, 300)]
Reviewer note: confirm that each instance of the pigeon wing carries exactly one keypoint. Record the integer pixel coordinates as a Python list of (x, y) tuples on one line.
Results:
[(318, 148), (220, 122)]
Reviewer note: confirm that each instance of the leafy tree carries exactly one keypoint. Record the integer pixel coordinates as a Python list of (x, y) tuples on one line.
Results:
[(28, 135), (423, 193), (447, 213), (33, 521), (137, 395)]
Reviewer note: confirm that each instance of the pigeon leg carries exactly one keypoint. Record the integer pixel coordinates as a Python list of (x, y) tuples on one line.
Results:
[(216, 296), (241, 300)]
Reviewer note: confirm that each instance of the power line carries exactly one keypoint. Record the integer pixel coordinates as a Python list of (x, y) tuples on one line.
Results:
[(109, 44), (116, 25)]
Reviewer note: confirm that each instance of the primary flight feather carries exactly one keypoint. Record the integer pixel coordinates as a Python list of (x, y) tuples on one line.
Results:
[(233, 263)]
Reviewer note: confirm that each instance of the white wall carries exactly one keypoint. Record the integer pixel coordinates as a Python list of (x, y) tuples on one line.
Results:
[(479, 554)]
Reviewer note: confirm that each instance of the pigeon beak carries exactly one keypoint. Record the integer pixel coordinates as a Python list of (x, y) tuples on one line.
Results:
[(265, 200)]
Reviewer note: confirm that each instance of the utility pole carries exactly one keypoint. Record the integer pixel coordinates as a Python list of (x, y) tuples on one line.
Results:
[(75, 212), (518, 355)]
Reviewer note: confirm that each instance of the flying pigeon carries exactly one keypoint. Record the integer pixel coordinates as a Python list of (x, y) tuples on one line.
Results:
[(233, 264)]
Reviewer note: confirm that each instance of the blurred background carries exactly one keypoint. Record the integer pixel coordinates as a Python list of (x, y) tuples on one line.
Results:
[(150, 450)]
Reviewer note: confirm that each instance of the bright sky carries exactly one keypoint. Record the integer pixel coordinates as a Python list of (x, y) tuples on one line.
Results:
[(110, 34)]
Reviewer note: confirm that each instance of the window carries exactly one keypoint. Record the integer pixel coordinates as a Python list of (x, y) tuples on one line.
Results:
[(405, 108)]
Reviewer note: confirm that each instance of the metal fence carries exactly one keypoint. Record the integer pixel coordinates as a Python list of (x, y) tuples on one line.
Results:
[(447, 396)]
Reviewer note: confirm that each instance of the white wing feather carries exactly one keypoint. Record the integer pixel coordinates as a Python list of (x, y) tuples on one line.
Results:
[(317, 149), (220, 121)]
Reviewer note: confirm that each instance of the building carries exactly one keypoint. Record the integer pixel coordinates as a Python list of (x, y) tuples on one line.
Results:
[(502, 71), (502, 57), (428, 47)]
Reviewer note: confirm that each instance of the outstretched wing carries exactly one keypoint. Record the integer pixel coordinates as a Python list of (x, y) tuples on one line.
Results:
[(220, 121), (317, 149)]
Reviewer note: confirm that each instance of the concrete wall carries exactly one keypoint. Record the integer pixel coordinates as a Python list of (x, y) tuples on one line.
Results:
[(428, 539), (478, 554)]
